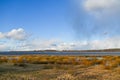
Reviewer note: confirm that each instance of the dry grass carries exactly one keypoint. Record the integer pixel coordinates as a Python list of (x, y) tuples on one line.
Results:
[(39, 67)]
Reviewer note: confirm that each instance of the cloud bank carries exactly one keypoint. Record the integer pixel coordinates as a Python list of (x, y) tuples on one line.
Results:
[(16, 44), (56, 45)]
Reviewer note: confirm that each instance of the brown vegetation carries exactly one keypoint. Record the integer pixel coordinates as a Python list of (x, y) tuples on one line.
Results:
[(24, 67)]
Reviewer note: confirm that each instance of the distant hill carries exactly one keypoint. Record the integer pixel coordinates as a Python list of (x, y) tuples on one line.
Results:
[(102, 50)]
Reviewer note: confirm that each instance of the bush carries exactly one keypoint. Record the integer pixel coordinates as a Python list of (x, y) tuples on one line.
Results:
[(20, 64)]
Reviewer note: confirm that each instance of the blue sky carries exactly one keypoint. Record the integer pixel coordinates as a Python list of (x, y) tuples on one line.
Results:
[(59, 24), (42, 18)]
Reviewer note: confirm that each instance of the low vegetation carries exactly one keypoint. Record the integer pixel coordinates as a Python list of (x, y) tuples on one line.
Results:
[(45, 67)]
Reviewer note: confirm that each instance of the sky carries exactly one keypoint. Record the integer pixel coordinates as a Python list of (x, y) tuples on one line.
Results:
[(59, 24)]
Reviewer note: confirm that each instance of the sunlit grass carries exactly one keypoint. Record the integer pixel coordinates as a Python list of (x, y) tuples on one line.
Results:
[(44, 67)]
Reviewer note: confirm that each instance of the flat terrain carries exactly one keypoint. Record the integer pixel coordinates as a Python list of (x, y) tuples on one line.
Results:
[(61, 71)]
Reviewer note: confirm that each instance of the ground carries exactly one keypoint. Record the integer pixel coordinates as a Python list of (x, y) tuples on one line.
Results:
[(8, 71)]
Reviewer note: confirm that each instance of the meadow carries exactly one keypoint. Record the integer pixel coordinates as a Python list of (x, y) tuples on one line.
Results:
[(45, 67)]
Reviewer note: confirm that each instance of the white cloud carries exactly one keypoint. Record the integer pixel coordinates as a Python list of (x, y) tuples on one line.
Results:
[(17, 34), (54, 44), (113, 42), (38, 44), (3, 47), (1, 35), (17, 42), (102, 7), (43, 44)]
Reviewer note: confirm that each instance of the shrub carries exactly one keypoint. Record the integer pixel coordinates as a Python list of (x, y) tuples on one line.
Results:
[(20, 64)]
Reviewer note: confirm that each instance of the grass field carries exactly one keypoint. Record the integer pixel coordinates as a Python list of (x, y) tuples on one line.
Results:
[(43, 67)]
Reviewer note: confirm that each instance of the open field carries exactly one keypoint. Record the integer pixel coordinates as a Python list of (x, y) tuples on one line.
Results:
[(44, 67)]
